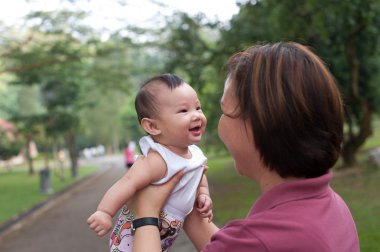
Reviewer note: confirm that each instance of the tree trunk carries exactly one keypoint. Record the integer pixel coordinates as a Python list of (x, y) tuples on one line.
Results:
[(354, 140), (70, 140)]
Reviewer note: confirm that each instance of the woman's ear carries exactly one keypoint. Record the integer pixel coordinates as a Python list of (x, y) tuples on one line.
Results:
[(150, 126)]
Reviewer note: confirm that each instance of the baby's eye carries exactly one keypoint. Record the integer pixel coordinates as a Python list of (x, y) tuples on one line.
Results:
[(199, 108), (182, 111)]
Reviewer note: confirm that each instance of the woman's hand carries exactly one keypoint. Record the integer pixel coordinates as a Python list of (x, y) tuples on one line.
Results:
[(149, 201)]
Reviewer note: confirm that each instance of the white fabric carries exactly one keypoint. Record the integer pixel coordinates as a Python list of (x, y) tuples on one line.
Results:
[(181, 200)]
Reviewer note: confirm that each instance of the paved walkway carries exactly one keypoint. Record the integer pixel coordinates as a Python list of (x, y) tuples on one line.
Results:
[(60, 225)]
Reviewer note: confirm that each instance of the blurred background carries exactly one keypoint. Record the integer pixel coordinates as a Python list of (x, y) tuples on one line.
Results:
[(69, 69)]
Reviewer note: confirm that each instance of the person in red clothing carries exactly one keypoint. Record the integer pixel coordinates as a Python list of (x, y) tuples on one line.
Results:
[(282, 122), (129, 154)]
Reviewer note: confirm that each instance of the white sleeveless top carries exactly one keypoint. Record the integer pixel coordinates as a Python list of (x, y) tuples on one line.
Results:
[(181, 200)]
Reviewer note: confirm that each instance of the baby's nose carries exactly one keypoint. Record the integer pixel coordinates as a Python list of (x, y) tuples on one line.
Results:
[(195, 115)]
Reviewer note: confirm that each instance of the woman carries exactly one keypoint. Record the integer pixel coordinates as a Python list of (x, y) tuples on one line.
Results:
[(282, 123)]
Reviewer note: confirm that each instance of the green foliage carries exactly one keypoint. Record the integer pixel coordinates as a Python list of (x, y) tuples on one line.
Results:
[(53, 61), (102, 121), (83, 83), (360, 191), (187, 49), (54, 58), (65, 60), (112, 64), (8, 147), (128, 117), (346, 34), (189, 46), (374, 140), (86, 85), (8, 100)]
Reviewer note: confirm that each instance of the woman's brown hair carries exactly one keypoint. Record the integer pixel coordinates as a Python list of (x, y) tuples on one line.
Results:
[(293, 104)]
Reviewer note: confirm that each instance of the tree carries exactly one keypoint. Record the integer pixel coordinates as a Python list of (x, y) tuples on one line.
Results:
[(76, 73), (55, 60), (20, 105), (30, 128), (117, 70), (10, 146), (346, 34), (188, 45)]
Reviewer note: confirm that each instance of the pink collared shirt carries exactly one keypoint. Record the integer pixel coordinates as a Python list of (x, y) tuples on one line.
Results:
[(303, 215)]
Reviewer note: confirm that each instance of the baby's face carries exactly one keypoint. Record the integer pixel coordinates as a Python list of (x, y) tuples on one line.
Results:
[(181, 120)]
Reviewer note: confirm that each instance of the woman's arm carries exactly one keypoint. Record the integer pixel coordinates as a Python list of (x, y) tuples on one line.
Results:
[(148, 202), (147, 238), (199, 229)]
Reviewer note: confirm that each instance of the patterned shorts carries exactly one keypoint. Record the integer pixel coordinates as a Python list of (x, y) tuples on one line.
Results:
[(121, 237)]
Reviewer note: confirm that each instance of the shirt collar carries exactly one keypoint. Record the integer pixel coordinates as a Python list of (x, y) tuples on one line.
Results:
[(292, 190)]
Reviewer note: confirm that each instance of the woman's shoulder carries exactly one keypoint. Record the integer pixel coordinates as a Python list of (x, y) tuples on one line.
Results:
[(273, 232), (237, 235)]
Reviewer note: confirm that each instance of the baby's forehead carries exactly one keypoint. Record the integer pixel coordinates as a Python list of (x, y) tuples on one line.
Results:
[(159, 87), (155, 86), (181, 94)]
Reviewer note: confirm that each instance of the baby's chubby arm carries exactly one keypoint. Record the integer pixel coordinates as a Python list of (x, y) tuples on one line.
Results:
[(203, 201), (143, 172)]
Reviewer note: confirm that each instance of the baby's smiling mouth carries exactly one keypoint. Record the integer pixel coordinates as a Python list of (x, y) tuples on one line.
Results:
[(195, 128)]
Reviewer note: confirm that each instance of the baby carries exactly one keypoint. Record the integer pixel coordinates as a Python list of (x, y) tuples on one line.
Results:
[(169, 111)]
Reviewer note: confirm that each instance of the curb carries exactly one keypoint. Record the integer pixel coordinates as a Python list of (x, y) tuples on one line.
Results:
[(33, 213)]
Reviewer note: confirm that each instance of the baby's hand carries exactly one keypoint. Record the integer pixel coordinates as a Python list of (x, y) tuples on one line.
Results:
[(100, 222), (204, 206)]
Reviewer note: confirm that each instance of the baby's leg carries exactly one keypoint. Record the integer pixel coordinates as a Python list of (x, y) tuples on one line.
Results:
[(121, 237), (170, 228)]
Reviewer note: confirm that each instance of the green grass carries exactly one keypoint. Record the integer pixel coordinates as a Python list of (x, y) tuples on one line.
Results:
[(360, 190), (233, 196), (229, 190), (20, 191), (374, 140)]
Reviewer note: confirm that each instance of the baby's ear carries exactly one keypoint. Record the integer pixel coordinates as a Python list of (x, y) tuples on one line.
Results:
[(150, 126)]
